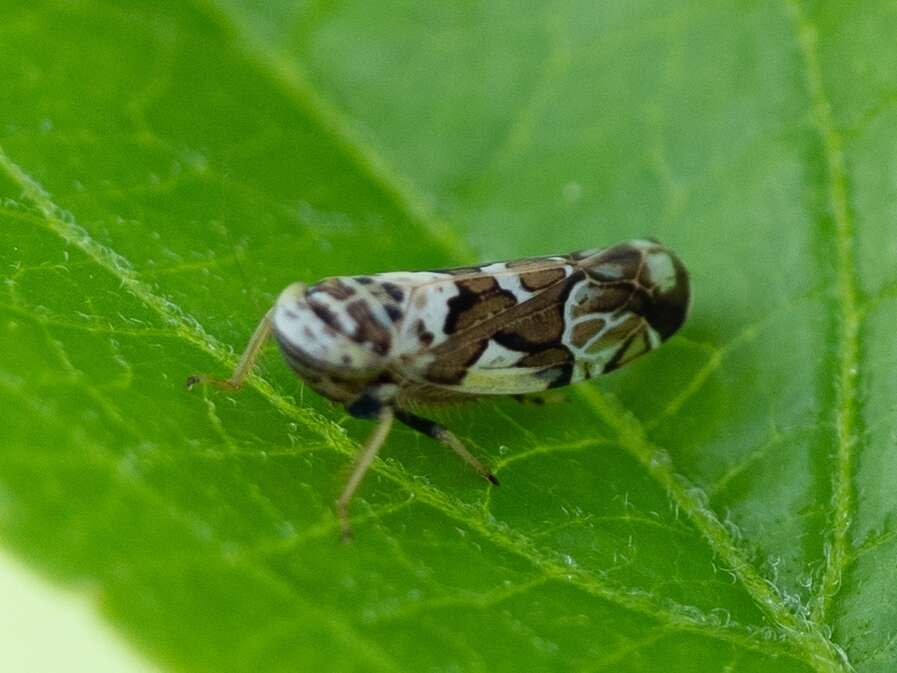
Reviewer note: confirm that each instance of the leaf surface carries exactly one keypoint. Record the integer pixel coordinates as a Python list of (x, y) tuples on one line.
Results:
[(724, 504)]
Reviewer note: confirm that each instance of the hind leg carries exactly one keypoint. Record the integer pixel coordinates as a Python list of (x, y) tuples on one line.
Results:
[(446, 438)]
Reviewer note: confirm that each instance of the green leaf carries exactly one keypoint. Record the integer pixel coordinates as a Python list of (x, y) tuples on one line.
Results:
[(725, 504)]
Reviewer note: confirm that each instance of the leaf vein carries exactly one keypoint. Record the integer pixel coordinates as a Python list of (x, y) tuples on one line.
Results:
[(668, 613), (820, 652), (297, 86), (849, 315)]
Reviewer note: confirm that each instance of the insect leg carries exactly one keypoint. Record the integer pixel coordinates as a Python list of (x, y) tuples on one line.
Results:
[(446, 438), (247, 360), (362, 463)]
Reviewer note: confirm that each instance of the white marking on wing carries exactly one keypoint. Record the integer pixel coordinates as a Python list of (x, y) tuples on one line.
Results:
[(661, 270), (497, 356), (511, 283), (429, 305)]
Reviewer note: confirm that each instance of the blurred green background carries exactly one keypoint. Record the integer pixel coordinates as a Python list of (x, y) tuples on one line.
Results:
[(725, 504)]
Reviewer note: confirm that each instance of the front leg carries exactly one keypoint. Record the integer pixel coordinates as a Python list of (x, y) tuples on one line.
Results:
[(247, 359)]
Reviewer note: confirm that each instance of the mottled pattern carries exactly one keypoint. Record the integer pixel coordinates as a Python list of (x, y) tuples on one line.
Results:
[(585, 331), (479, 299), (542, 278), (501, 328), (451, 371)]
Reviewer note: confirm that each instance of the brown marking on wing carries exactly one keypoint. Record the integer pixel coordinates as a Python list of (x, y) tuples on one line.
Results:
[(664, 311), (479, 285), (479, 299), (618, 334), (542, 278), (533, 331), (550, 357), (602, 298), (625, 258), (483, 310), (451, 368), (529, 326), (542, 325), (585, 331)]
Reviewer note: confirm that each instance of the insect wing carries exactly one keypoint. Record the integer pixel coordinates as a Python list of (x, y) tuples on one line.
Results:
[(529, 325)]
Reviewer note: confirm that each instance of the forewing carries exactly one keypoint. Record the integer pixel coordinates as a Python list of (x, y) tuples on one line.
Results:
[(519, 327)]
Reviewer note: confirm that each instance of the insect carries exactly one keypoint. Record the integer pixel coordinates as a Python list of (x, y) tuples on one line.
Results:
[(385, 344)]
